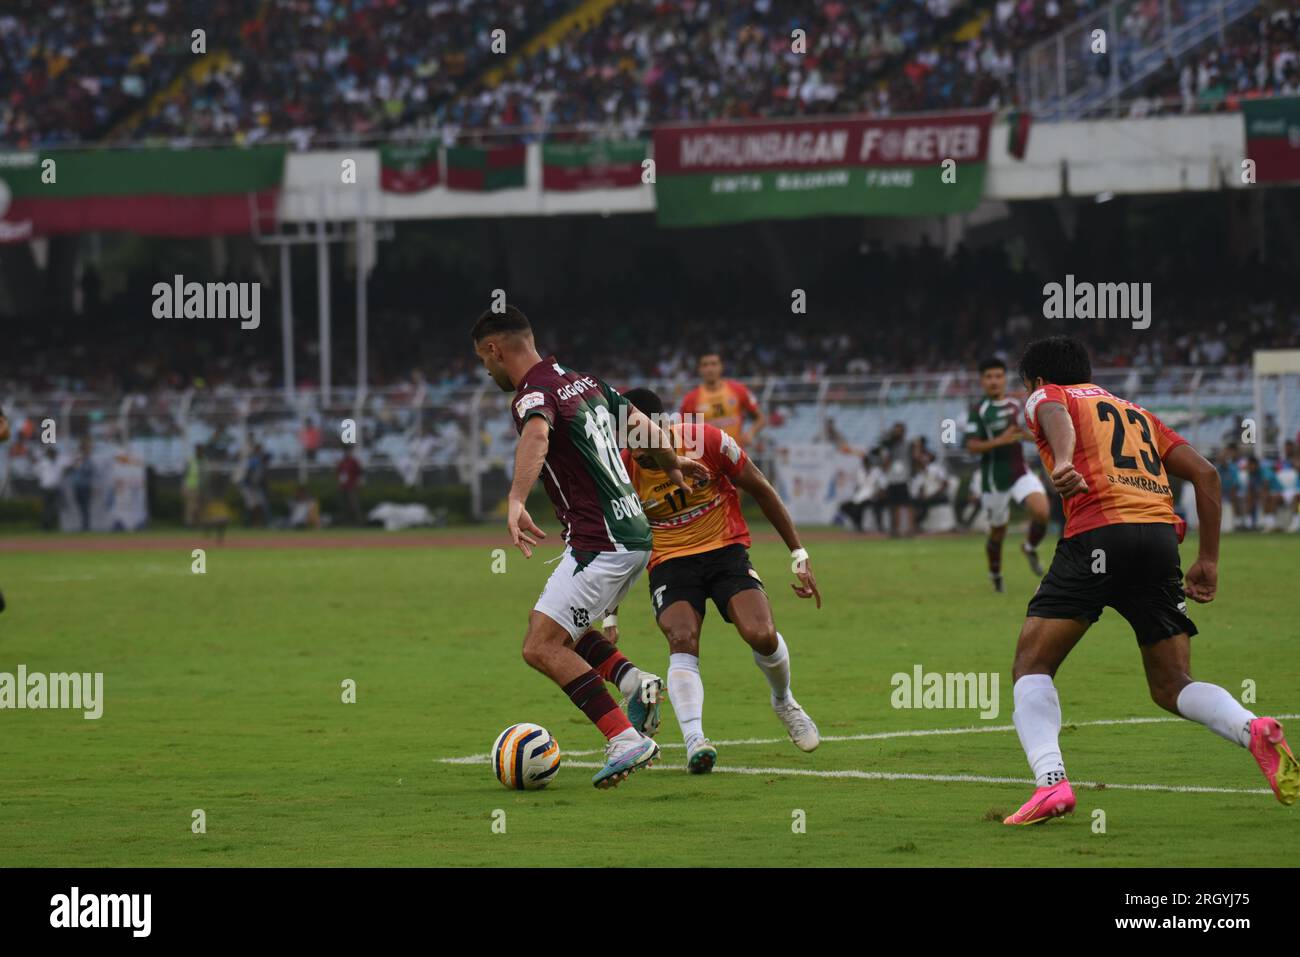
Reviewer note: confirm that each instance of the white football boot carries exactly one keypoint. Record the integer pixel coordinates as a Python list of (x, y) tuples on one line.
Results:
[(802, 731)]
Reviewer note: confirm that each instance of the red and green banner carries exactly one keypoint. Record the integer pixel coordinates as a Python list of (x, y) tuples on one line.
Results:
[(408, 168), (731, 173), (1018, 123), (483, 169), (206, 192), (568, 167), (1273, 138)]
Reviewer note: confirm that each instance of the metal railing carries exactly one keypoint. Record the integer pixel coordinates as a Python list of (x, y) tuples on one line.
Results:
[(460, 432), (1066, 77)]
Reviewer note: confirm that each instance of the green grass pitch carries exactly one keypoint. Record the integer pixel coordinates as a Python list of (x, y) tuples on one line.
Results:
[(223, 693)]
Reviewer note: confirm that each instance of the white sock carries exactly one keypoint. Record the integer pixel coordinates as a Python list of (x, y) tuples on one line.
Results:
[(631, 682), (629, 736), (776, 668), (1037, 718), (1219, 711), (686, 692)]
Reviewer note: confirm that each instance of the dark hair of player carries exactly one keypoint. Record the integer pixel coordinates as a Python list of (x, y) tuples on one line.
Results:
[(992, 362), (645, 401), (491, 323), (1060, 360)]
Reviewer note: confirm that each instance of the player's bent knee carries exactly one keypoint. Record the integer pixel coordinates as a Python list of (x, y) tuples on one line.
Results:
[(534, 655), (683, 638), (1165, 691), (762, 637)]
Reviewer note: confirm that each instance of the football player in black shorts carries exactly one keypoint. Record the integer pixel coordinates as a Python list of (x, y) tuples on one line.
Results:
[(700, 554), (1111, 460)]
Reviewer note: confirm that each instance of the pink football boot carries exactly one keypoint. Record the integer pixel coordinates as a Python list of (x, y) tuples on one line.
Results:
[(1052, 801), (1268, 745)]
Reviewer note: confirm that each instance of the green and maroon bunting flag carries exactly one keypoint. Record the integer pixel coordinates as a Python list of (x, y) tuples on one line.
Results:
[(1018, 133), (1273, 138), (408, 167), (601, 165), (152, 192), (483, 169), (891, 166)]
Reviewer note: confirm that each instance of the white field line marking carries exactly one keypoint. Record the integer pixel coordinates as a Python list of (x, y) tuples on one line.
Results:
[(938, 778), (883, 735), (904, 776), (889, 776)]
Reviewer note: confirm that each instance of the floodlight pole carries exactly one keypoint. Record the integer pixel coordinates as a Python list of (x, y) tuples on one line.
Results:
[(362, 313), (286, 321), (323, 308)]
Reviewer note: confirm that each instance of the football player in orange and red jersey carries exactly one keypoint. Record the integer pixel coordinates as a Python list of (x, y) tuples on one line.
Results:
[(1111, 460), (701, 552), (724, 403)]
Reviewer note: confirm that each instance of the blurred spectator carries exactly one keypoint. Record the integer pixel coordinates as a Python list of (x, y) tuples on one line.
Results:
[(49, 468), (931, 485), (192, 487), (304, 511), (310, 438), (253, 485), (83, 481), (868, 493), (349, 481), (1261, 495)]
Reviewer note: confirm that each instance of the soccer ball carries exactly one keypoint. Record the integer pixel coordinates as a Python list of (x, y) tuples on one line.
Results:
[(525, 757)]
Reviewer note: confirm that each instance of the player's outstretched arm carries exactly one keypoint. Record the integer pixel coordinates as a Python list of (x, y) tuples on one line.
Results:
[(530, 454), (1187, 463), (659, 446), (4, 428), (1058, 428), (756, 484)]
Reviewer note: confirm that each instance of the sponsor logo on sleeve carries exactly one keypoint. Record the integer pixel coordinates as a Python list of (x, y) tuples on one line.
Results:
[(1031, 404), (730, 449), (531, 401)]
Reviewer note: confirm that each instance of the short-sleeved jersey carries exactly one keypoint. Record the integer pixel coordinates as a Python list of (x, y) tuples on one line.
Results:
[(1119, 450), (583, 473), (724, 407), (1000, 467), (708, 516)]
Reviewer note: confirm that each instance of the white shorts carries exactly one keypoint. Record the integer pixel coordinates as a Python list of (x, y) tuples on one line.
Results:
[(577, 598), (997, 505)]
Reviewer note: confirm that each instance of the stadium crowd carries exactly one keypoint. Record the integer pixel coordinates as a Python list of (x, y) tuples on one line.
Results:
[(316, 70), (71, 71), (883, 310), (1259, 56)]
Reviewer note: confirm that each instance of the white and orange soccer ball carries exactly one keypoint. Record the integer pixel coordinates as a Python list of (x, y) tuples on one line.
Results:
[(525, 757)]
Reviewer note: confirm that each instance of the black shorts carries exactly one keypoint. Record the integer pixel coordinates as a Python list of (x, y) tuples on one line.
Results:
[(720, 574), (1132, 568), (897, 494)]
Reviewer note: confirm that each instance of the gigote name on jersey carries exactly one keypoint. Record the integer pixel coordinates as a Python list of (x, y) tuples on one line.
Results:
[(625, 506), (576, 388)]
